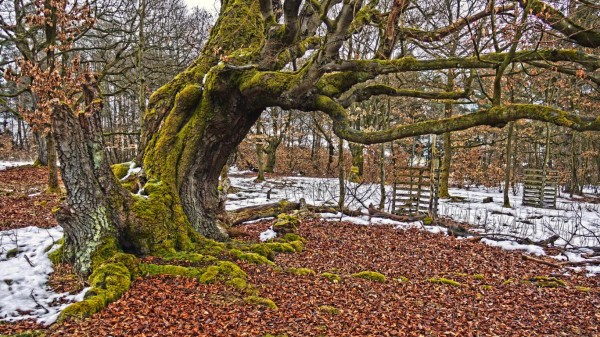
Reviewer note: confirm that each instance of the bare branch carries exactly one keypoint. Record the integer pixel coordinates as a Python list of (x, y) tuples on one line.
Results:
[(363, 93), (438, 34)]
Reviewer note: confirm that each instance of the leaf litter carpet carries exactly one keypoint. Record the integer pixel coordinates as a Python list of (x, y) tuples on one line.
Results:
[(496, 293)]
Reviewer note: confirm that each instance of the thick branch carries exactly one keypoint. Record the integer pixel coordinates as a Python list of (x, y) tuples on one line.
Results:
[(343, 75), (583, 36), (496, 116), (492, 60)]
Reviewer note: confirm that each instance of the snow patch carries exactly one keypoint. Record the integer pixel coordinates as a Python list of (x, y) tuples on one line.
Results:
[(7, 164), (132, 170), (512, 245), (24, 271), (267, 235)]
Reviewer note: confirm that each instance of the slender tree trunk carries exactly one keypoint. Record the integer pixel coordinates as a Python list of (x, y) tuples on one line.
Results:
[(508, 169), (574, 179), (446, 144), (358, 161), (260, 155), (382, 177), (42, 149), (52, 165), (341, 179), (271, 152), (140, 61)]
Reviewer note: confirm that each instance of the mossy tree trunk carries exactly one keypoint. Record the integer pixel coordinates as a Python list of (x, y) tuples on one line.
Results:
[(447, 144), (358, 161), (271, 152)]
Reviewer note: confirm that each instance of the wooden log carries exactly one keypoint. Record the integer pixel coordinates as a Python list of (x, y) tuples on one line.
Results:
[(548, 263), (261, 211), (373, 212)]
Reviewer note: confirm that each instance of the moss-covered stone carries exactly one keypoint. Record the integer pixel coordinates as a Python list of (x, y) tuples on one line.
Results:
[(442, 280), (297, 245), (329, 309), (251, 257), (12, 253), (479, 277), (257, 300), (371, 275), (225, 271), (402, 279), (270, 249), (300, 271), (291, 237), (547, 282), (487, 287), (335, 278), (286, 223)]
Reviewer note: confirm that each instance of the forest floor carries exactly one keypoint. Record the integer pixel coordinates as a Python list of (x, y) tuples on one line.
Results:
[(494, 293)]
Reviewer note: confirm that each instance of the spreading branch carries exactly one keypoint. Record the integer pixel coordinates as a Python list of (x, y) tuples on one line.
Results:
[(496, 116)]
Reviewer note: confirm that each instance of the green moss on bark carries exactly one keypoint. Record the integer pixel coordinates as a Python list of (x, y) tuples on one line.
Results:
[(112, 274), (161, 227)]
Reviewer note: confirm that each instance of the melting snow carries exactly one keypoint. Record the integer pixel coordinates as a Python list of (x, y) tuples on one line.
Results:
[(577, 223), (267, 235), (6, 164), (24, 293)]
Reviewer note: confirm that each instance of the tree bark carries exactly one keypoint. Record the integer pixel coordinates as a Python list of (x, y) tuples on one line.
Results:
[(52, 166), (95, 202), (42, 149), (507, 169)]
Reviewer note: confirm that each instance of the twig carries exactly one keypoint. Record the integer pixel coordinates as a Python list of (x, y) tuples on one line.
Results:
[(28, 260), (36, 301)]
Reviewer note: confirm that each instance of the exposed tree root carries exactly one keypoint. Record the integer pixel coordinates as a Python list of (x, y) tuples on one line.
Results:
[(209, 261)]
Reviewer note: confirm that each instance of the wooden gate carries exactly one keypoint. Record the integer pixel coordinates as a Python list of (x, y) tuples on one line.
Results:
[(415, 191), (540, 187)]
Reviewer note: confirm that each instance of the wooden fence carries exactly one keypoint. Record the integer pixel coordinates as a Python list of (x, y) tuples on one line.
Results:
[(415, 191), (540, 187)]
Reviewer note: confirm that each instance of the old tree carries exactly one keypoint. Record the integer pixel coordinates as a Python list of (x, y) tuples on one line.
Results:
[(295, 55)]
